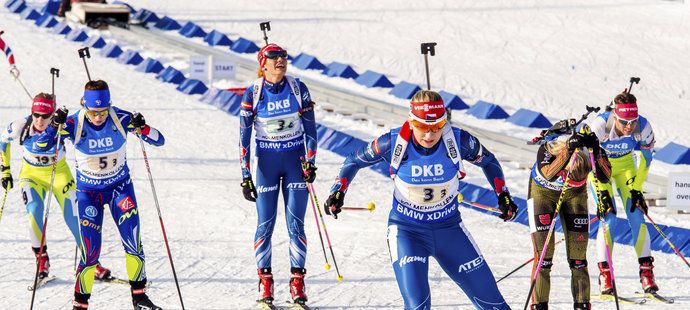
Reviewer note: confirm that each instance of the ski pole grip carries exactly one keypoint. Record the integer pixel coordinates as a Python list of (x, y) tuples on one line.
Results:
[(55, 72), (429, 48), (84, 52), (265, 26)]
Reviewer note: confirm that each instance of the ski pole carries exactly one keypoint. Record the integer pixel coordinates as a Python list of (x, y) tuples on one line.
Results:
[(551, 228), (15, 73), (56, 74), (4, 199), (315, 202), (83, 54), (45, 216), (666, 238), (370, 207), (318, 228), (265, 26), (532, 258), (13, 68), (158, 208), (428, 48), (606, 231)]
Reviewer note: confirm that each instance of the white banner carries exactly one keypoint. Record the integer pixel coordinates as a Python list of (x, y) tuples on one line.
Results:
[(678, 191), (224, 69), (199, 68)]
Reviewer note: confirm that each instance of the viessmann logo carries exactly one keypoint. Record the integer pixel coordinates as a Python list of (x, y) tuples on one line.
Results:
[(428, 107)]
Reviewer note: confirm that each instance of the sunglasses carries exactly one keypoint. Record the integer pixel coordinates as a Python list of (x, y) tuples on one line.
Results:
[(625, 122), (423, 127), (92, 113), (43, 116), (276, 54)]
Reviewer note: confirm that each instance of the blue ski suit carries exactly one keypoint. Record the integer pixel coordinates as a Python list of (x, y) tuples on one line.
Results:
[(283, 118), (425, 221), (103, 179)]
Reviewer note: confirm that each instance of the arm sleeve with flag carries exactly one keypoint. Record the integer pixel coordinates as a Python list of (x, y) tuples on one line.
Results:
[(308, 122), (246, 125), (149, 134), (646, 146), (472, 151), (374, 152)]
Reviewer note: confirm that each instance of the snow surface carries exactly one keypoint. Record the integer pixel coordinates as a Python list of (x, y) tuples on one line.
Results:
[(210, 225)]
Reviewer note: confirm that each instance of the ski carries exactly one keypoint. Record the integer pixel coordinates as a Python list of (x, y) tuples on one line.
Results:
[(266, 305), (627, 300), (297, 305), (657, 297), (41, 282), (115, 280)]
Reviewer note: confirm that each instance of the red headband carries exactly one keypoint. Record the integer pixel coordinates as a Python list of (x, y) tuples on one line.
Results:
[(626, 110), (43, 105), (428, 112)]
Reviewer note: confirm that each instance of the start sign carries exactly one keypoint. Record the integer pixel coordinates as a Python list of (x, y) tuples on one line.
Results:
[(678, 195)]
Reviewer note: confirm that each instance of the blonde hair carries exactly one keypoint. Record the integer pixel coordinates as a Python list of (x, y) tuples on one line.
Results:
[(426, 96), (582, 165), (260, 72)]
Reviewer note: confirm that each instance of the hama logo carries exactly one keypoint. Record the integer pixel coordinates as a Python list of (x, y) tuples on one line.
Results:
[(545, 219), (266, 189), (91, 211), (427, 170), (126, 204), (411, 259), (283, 104)]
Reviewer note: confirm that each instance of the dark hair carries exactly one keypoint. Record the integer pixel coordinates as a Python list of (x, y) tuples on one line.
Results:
[(625, 97), (44, 96), (96, 85)]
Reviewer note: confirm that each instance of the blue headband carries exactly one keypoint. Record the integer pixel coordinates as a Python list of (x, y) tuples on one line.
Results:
[(95, 99)]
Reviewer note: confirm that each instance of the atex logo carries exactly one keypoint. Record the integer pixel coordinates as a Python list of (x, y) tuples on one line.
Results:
[(471, 265), (297, 185), (266, 189), (411, 259)]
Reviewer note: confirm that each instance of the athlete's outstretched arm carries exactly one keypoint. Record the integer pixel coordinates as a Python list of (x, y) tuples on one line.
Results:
[(370, 154), (149, 134), (472, 151), (246, 125), (308, 122)]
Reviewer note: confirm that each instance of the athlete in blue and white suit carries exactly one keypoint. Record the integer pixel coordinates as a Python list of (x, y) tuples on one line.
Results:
[(280, 109), (424, 222), (99, 134)]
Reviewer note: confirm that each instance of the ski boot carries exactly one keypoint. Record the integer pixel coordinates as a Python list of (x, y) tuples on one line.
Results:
[(647, 274), (582, 306), (297, 285), (265, 285), (102, 273), (81, 301), (605, 285), (540, 306), (139, 298), (43, 262)]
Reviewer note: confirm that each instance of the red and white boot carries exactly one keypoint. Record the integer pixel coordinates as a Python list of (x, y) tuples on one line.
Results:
[(297, 285), (265, 285), (605, 284), (43, 262), (102, 273), (647, 274)]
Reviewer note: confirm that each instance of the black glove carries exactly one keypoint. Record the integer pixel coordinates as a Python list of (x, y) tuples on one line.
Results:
[(605, 205), (576, 141), (138, 120), (507, 206), (60, 116), (334, 204), (248, 189), (309, 171), (7, 182), (638, 201)]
